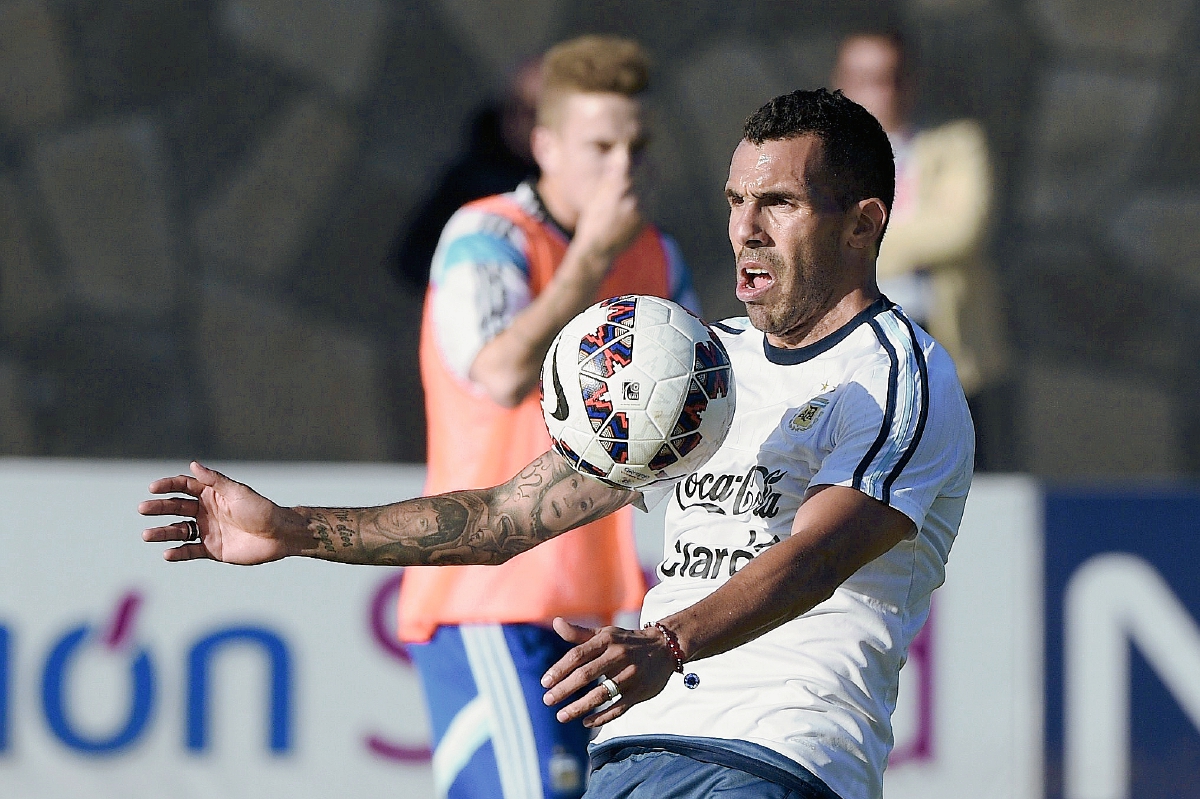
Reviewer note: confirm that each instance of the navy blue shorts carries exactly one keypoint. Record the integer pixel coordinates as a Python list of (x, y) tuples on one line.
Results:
[(493, 737), (645, 767)]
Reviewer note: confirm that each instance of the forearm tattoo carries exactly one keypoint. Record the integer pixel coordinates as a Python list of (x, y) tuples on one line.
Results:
[(484, 526)]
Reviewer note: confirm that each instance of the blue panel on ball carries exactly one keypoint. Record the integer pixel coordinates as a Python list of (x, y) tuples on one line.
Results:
[(663, 458), (617, 450), (596, 340), (621, 310), (617, 427), (710, 354), (605, 362), (690, 417), (588, 468), (595, 400), (715, 382), (562, 449), (687, 443)]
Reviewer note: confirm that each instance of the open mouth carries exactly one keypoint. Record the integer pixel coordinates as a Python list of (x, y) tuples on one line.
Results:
[(754, 280)]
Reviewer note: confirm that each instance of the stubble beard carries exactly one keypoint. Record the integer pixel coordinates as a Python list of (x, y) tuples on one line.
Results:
[(798, 305)]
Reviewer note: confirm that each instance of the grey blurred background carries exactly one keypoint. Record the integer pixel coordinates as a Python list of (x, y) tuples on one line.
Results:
[(197, 198)]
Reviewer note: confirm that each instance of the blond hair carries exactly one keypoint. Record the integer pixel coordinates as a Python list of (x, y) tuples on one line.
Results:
[(591, 64)]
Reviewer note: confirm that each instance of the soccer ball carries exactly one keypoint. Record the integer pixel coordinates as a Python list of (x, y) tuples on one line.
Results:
[(637, 389)]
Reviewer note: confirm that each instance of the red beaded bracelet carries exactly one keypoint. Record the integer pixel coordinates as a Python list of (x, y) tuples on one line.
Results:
[(672, 644)]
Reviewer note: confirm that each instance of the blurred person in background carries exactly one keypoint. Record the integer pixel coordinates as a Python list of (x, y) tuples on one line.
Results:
[(498, 157), (933, 260), (509, 272)]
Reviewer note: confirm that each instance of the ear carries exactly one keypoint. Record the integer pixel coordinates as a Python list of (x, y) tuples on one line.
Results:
[(865, 223), (543, 143)]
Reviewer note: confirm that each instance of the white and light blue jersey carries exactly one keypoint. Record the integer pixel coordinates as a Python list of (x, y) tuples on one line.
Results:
[(875, 406)]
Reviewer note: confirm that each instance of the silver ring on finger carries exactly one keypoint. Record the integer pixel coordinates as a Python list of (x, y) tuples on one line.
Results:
[(193, 531), (613, 691)]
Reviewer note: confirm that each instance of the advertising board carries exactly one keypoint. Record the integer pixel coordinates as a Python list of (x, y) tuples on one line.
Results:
[(124, 676), (1122, 642)]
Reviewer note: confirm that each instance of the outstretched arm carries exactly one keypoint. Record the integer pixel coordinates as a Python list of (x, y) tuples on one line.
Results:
[(238, 525)]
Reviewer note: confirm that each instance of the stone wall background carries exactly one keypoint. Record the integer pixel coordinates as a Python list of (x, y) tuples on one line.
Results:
[(196, 198)]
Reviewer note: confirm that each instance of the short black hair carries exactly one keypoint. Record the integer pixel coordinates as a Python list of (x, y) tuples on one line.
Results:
[(858, 156)]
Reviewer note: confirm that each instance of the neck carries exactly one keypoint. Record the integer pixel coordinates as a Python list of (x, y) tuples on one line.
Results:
[(828, 321), (556, 204)]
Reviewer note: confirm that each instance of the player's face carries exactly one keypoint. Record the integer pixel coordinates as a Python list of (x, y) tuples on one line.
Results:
[(593, 130), (786, 230)]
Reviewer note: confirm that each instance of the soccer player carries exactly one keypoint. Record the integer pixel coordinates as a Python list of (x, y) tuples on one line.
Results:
[(509, 271), (771, 661)]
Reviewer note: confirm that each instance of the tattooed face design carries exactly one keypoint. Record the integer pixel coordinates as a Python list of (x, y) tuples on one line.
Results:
[(564, 505), (452, 519)]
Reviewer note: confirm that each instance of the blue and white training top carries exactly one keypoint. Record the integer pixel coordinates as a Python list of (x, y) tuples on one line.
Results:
[(875, 406)]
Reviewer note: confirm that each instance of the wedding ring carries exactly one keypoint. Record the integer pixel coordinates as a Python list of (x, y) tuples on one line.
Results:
[(613, 691), (193, 531)]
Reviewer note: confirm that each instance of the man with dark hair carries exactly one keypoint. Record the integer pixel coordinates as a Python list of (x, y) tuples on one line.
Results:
[(769, 661)]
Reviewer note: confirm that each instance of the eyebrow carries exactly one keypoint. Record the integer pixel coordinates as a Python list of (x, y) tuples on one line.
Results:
[(643, 139), (779, 194), (773, 195)]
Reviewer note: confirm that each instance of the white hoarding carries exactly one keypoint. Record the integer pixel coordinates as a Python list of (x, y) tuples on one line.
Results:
[(124, 676), (969, 720), (261, 682)]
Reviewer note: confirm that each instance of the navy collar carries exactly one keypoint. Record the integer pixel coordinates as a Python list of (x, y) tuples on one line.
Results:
[(789, 357), (543, 213)]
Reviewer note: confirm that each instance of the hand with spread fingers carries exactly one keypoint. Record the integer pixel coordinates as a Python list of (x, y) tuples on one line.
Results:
[(630, 665), (229, 521)]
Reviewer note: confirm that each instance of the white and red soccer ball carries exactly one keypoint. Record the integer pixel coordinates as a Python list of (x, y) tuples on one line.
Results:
[(637, 389)]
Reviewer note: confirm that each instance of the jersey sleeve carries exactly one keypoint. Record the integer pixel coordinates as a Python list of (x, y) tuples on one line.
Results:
[(901, 432), (479, 280), (656, 492)]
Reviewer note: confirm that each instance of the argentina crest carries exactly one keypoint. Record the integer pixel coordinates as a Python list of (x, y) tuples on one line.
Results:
[(807, 416)]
